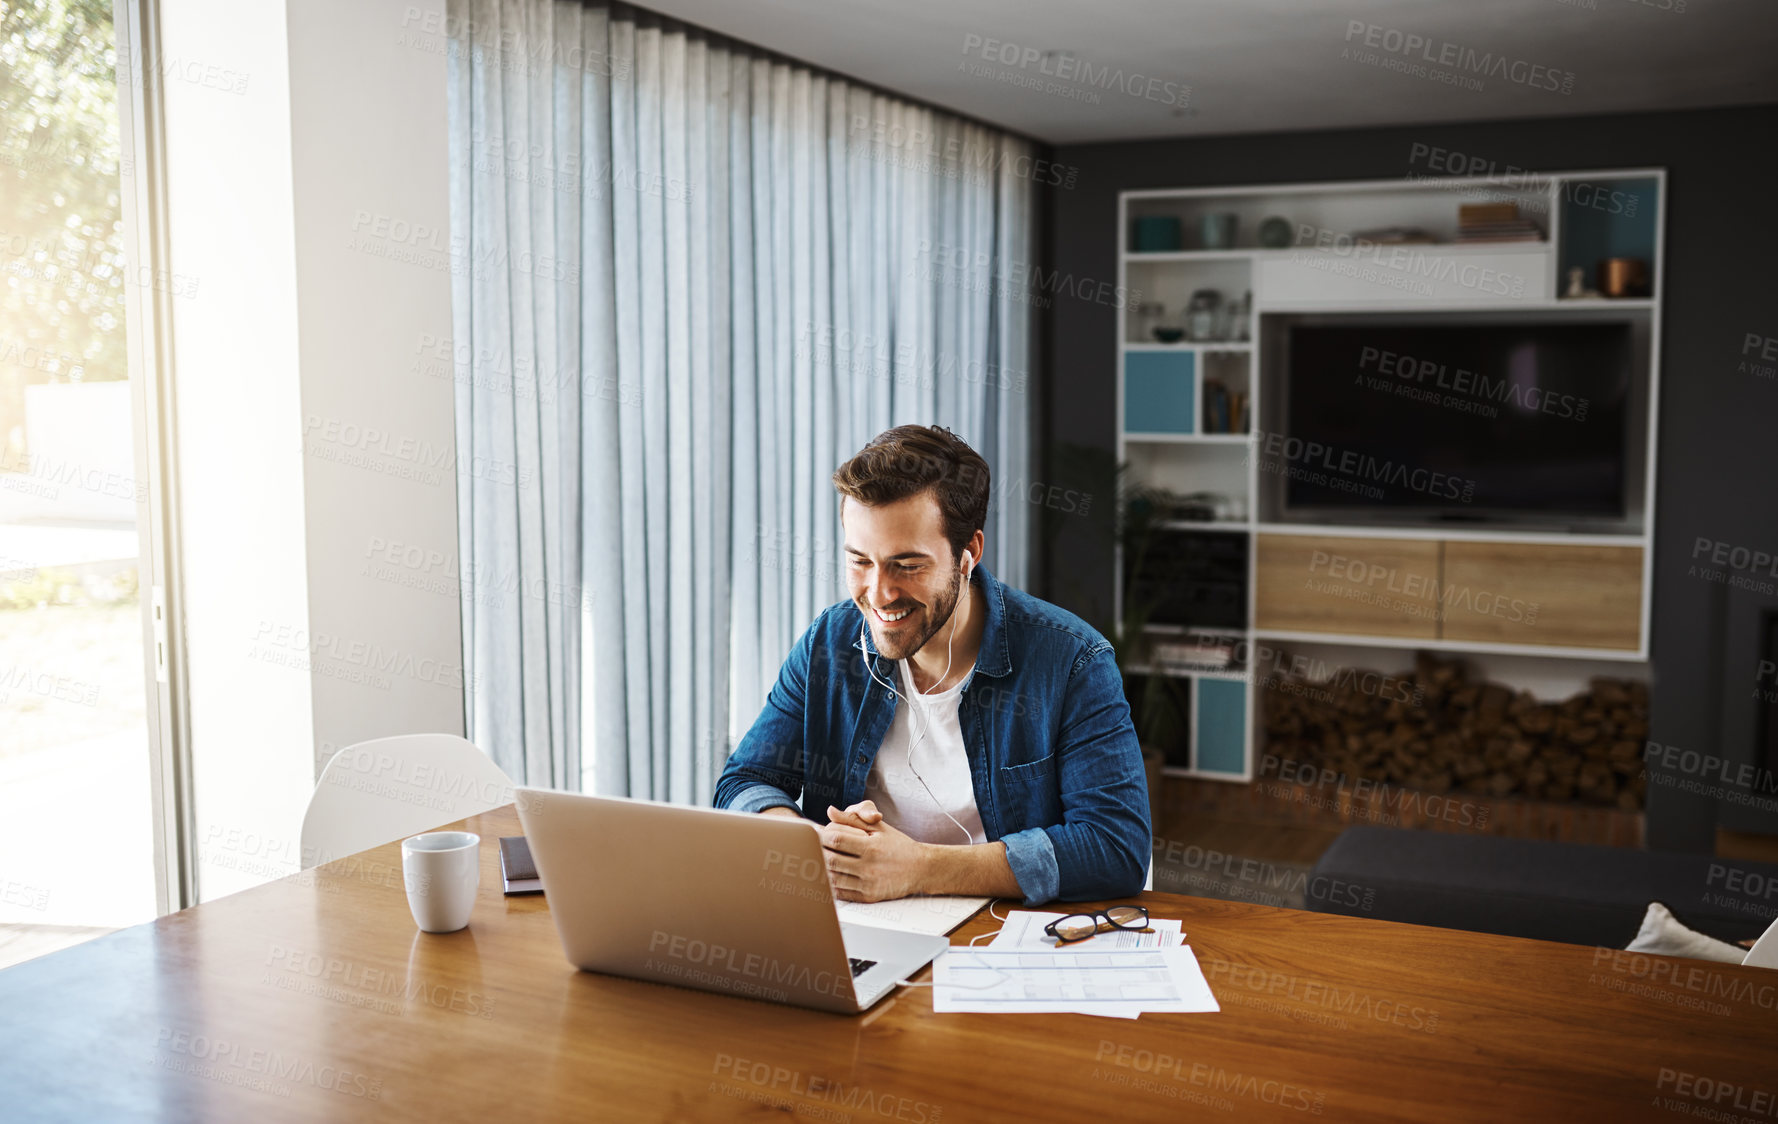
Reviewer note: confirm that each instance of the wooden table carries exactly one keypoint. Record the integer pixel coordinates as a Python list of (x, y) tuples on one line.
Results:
[(315, 998)]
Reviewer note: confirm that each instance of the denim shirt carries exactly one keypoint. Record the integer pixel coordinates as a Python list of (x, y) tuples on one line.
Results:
[(1056, 767)]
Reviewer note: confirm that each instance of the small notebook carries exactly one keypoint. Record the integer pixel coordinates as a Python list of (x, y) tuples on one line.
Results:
[(933, 915), (517, 870)]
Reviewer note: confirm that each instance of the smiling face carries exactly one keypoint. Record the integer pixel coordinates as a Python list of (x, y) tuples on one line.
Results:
[(901, 571)]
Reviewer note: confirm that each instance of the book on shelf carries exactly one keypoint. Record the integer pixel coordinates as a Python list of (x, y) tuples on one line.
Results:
[(1393, 236), (1216, 405), (1494, 222), (1203, 653), (1521, 233), (1468, 213), (1225, 411)]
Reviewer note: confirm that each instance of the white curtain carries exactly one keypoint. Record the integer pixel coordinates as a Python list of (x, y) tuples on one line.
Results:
[(691, 279)]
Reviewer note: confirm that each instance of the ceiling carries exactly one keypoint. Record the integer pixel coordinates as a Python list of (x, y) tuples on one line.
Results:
[(1068, 71)]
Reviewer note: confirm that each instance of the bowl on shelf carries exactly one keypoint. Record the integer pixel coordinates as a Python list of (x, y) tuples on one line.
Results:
[(1169, 335), (1275, 232)]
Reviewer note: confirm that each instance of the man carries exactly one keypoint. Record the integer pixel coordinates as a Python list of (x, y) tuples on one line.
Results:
[(952, 734)]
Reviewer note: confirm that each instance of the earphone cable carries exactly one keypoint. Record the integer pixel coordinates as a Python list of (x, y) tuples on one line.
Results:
[(914, 714)]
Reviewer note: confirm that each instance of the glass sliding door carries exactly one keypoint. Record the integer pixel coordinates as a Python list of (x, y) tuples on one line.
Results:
[(77, 806)]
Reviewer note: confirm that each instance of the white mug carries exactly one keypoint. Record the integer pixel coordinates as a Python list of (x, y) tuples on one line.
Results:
[(442, 871)]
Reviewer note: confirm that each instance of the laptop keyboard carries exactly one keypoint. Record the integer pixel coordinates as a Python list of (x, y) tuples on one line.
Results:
[(859, 967)]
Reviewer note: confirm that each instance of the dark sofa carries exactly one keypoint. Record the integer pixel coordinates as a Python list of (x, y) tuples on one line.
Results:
[(1549, 891)]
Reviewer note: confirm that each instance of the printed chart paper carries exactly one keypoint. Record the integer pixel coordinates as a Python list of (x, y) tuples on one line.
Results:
[(1120, 983), (1024, 929)]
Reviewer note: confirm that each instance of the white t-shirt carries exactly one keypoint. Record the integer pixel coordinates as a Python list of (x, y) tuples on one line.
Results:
[(931, 723)]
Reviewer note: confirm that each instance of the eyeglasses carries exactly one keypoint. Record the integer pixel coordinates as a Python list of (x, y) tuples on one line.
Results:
[(1080, 926)]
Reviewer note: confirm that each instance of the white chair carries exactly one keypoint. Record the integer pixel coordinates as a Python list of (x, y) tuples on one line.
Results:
[(386, 789), (1764, 953)]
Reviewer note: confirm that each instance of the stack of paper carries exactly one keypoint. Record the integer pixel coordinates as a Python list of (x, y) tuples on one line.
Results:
[(1024, 929), (1116, 975)]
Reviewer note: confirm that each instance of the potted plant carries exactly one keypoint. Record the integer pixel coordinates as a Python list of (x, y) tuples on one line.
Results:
[(1129, 522), (1157, 720)]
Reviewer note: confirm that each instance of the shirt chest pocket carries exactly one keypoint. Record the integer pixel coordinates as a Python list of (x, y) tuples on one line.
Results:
[(1029, 795)]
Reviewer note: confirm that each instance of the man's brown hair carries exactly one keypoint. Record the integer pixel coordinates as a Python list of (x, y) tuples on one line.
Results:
[(911, 459)]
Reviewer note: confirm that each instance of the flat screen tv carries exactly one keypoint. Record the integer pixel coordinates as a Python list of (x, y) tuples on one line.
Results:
[(1484, 421)]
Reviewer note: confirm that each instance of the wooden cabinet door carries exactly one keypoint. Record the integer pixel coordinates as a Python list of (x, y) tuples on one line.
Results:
[(1546, 595), (1361, 586)]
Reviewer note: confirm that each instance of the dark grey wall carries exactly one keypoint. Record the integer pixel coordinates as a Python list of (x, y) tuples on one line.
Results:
[(1718, 450)]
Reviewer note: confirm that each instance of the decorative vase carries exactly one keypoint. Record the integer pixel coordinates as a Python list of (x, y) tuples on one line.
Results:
[(1218, 230)]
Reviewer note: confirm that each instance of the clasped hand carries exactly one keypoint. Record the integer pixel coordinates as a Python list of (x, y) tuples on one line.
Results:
[(868, 860)]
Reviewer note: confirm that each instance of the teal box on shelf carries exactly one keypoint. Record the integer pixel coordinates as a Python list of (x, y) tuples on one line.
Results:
[(1159, 391), (1155, 234), (1222, 726)]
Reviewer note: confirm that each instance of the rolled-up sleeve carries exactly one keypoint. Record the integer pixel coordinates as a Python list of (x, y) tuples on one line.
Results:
[(767, 769), (1102, 846), (759, 797), (1033, 860)]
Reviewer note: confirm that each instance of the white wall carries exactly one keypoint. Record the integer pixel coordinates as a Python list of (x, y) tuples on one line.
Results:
[(281, 126), (238, 406), (371, 161)]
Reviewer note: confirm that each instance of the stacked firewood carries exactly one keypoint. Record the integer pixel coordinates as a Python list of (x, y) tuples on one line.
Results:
[(1437, 731)]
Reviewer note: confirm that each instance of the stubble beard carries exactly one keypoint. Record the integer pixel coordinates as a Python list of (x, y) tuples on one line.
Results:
[(936, 616)]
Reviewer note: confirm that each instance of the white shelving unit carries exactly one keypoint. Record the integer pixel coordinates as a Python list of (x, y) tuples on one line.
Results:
[(1324, 272)]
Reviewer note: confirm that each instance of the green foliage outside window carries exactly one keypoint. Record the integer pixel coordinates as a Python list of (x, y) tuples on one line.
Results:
[(62, 270)]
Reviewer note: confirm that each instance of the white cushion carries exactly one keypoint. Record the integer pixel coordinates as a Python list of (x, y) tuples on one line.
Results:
[(1662, 935)]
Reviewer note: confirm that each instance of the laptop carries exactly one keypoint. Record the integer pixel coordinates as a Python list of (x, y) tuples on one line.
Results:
[(721, 901)]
